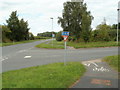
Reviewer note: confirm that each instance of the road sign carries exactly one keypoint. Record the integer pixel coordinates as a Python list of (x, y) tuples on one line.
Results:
[(65, 38), (53, 35), (65, 33)]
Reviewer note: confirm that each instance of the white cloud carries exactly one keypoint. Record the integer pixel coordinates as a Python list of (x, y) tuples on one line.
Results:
[(38, 12)]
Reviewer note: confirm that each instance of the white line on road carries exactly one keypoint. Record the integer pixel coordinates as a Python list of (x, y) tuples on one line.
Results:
[(26, 57)]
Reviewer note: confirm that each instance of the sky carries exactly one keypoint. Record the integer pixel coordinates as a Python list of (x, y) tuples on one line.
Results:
[(39, 12)]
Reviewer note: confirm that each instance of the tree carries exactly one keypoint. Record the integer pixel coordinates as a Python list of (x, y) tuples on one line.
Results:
[(46, 34), (86, 26), (24, 30), (102, 32), (31, 36), (19, 28), (6, 34), (58, 36), (0, 33), (76, 19), (13, 24)]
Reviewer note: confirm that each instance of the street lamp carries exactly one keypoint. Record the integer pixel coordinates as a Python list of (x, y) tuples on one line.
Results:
[(77, 0), (118, 20), (52, 29)]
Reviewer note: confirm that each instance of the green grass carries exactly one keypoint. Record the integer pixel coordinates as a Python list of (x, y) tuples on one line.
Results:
[(113, 61), (0, 81), (0, 44), (60, 45), (92, 44), (20, 42), (56, 45), (47, 76)]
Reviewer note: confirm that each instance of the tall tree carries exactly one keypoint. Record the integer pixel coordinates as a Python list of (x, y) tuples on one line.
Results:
[(19, 28), (13, 25), (24, 30), (75, 19)]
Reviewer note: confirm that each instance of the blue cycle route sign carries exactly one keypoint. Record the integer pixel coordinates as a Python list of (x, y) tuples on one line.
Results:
[(65, 33)]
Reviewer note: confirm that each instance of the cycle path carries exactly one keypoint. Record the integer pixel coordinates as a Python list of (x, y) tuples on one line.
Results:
[(99, 75)]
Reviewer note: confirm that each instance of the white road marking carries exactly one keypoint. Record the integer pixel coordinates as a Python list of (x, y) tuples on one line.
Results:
[(3, 58), (11, 55), (101, 69), (88, 64), (26, 57), (94, 64)]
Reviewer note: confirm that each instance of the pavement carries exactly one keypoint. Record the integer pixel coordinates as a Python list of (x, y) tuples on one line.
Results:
[(99, 75), (26, 55)]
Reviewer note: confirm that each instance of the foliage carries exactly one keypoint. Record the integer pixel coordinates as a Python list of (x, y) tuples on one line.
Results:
[(76, 19), (39, 37), (105, 32), (20, 42), (46, 34), (101, 33), (31, 36), (59, 36), (6, 34), (19, 28), (113, 61), (92, 44), (0, 34)]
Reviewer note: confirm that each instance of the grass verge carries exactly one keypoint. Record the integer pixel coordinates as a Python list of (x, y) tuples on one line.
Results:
[(60, 45), (53, 45), (47, 76), (113, 61), (14, 43), (92, 44)]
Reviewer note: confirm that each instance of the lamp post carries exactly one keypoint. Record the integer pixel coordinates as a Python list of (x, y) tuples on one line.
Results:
[(118, 20), (52, 29)]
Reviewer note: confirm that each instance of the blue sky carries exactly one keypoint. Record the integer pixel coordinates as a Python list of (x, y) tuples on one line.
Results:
[(38, 12)]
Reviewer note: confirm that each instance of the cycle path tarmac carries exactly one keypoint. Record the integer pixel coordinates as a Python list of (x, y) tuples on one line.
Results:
[(99, 75)]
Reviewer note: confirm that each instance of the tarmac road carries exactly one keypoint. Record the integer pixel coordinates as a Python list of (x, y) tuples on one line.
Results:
[(26, 55)]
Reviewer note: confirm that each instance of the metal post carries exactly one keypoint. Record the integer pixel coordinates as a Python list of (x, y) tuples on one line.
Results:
[(117, 25), (52, 30), (65, 55), (118, 21)]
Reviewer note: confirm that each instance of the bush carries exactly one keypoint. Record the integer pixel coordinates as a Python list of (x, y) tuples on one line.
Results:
[(39, 37), (59, 36)]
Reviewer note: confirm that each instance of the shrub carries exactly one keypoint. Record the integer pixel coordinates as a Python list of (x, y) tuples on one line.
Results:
[(59, 36)]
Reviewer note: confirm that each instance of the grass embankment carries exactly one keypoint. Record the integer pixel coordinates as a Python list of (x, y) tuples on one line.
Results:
[(47, 76), (52, 44), (92, 44), (20, 42), (60, 45), (113, 61)]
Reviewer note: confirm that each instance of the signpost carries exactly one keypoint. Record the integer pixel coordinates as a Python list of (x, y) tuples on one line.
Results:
[(65, 36), (118, 20), (53, 35)]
